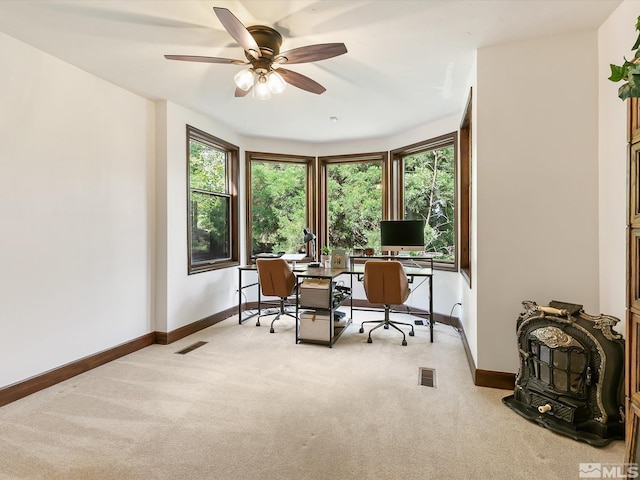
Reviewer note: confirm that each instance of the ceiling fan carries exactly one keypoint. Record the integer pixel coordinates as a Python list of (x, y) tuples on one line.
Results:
[(262, 48)]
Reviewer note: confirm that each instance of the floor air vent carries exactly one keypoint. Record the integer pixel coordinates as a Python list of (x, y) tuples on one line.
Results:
[(190, 348), (427, 377)]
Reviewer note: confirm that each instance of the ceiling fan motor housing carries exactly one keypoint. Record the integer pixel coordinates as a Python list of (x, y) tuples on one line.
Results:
[(269, 41)]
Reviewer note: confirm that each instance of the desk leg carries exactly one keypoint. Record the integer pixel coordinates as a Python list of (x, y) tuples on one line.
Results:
[(297, 310), (431, 320), (243, 318), (240, 296), (351, 298)]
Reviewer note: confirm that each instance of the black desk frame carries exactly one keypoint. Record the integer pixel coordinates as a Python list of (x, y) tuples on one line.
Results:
[(253, 268), (412, 272)]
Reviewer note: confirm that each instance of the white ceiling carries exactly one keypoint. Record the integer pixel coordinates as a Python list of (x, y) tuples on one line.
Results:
[(408, 62)]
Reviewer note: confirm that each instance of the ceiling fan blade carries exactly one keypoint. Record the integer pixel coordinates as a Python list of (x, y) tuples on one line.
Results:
[(196, 58), (300, 81), (311, 53), (241, 93), (238, 31)]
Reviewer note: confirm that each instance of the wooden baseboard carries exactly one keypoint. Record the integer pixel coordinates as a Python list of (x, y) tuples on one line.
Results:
[(492, 379), (19, 390), (481, 378), (165, 338), (486, 378)]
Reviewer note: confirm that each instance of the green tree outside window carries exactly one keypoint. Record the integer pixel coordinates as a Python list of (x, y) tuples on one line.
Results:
[(278, 207), (429, 195), (354, 204)]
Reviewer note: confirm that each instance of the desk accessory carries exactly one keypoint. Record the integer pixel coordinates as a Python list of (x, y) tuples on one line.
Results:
[(339, 258)]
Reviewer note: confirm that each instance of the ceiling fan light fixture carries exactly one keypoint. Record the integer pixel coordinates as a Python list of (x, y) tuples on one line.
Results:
[(261, 90), (261, 45), (244, 79), (275, 82)]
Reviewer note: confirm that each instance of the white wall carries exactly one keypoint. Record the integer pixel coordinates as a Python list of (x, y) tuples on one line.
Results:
[(183, 298), (537, 184), (615, 39), (272, 145), (76, 203)]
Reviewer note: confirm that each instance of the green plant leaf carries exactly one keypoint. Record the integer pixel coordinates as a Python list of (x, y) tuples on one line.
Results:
[(634, 85), (617, 73), (629, 71), (637, 44), (631, 89), (624, 91)]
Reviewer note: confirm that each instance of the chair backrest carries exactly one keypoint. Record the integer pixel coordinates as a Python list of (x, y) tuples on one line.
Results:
[(276, 277), (385, 282)]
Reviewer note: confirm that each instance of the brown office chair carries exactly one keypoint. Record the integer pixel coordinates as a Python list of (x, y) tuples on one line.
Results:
[(385, 282), (276, 280)]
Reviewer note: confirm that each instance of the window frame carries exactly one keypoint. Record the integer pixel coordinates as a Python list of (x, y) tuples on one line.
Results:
[(324, 162), (397, 186), (232, 164), (309, 161), (466, 190)]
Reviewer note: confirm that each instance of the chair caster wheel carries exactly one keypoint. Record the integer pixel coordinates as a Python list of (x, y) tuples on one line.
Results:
[(257, 324), (386, 327), (272, 331), (411, 333), (404, 343), (369, 340), (361, 330)]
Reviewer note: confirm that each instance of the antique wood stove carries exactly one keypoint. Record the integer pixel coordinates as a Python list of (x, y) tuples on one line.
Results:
[(571, 375)]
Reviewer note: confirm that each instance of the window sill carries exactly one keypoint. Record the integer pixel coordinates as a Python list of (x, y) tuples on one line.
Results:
[(208, 267)]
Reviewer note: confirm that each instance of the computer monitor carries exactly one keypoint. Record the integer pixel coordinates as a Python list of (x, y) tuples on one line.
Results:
[(402, 235)]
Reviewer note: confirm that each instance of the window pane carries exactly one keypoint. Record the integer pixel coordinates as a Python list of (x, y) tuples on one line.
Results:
[(544, 373), (278, 206), (210, 231), (560, 380), (207, 167), (354, 205), (560, 359), (429, 192), (212, 200), (544, 354), (578, 361)]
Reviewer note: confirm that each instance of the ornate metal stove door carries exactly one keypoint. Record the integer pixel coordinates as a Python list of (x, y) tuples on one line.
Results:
[(558, 363)]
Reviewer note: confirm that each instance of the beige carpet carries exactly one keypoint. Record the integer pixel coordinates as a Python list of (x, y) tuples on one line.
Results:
[(254, 405)]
